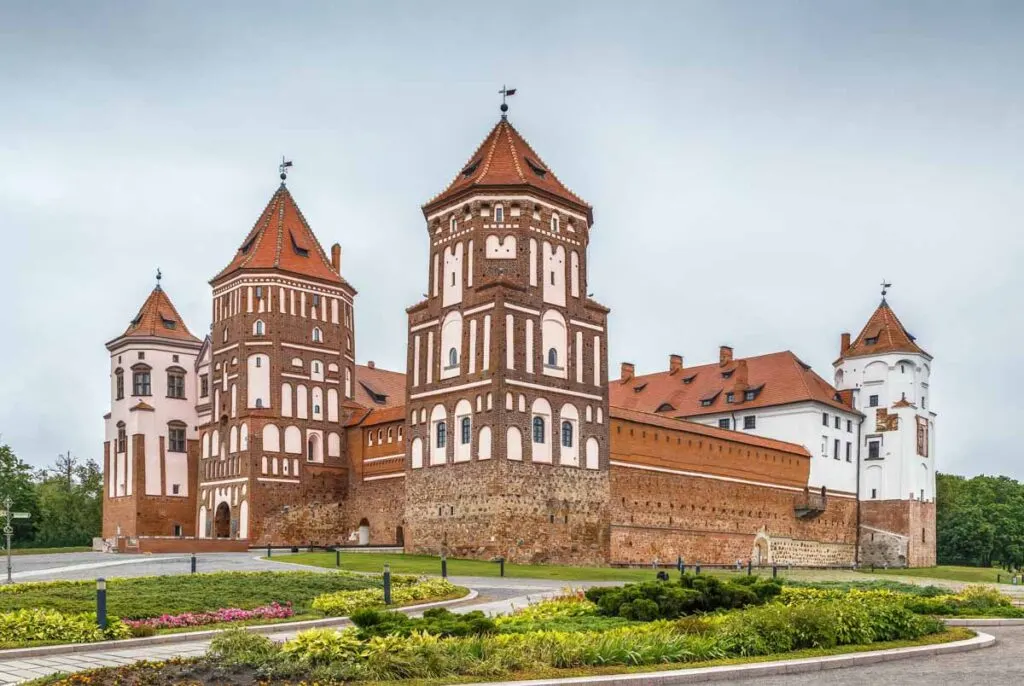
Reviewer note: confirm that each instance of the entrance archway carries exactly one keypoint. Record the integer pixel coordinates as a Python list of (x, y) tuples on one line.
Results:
[(222, 521), (364, 531), (761, 553), (399, 536)]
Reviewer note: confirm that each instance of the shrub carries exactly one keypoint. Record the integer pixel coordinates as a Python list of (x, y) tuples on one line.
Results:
[(240, 647), (27, 626), (435, 622), (690, 594), (345, 603), (640, 610), (322, 646)]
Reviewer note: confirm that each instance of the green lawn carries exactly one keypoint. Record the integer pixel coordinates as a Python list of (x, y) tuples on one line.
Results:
[(425, 564), (987, 575), (49, 551), (153, 596)]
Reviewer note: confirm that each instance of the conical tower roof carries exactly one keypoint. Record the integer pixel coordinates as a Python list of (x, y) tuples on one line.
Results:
[(884, 333), (158, 318), (282, 239), (505, 161)]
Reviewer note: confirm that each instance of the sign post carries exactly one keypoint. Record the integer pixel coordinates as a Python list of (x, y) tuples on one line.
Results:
[(9, 530)]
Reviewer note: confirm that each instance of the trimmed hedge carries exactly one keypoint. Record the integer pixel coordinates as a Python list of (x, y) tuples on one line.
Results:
[(691, 593)]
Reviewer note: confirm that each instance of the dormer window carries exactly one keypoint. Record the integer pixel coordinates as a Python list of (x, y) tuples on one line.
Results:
[(665, 407), (168, 323), (730, 397), (499, 214), (871, 340), (554, 223), (689, 379), (749, 395), (705, 403), (728, 374)]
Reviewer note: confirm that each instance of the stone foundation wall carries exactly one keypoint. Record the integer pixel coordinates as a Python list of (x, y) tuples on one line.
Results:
[(524, 512), (309, 513), (381, 503), (659, 515), (897, 533)]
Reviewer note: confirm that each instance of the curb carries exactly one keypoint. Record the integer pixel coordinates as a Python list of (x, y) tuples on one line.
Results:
[(763, 669), (993, 621), (190, 636)]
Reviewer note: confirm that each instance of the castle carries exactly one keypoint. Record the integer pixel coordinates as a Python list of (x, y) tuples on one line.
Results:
[(505, 435)]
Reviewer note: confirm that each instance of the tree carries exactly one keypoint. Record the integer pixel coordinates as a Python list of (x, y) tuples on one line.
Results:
[(16, 484), (70, 503)]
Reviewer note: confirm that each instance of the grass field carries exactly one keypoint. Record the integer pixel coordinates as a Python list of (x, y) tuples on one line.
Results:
[(49, 551), (986, 575), (424, 564), (153, 596)]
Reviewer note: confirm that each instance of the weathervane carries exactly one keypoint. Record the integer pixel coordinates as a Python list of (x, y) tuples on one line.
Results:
[(158, 277), (505, 92), (885, 288), (283, 168)]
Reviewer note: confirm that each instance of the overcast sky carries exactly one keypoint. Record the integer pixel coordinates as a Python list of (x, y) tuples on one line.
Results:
[(756, 169)]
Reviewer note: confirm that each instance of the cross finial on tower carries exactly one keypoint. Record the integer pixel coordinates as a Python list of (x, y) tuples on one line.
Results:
[(505, 92), (283, 168), (885, 288), (158, 277)]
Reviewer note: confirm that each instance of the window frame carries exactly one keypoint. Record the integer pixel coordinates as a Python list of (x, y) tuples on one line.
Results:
[(441, 434), (465, 430), (539, 430), (177, 430), (750, 422)]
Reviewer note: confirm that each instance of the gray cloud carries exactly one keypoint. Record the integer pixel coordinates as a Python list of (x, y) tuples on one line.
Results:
[(756, 169)]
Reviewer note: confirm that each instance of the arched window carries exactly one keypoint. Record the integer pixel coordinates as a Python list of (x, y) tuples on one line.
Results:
[(318, 335), (225, 336), (453, 358), (554, 223), (442, 438), (499, 214), (466, 430), (122, 437), (538, 430), (257, 328), (453, 224), (119, 384), (567, 434), (259, 403), (259, 361), (140, 380), (552, 357)]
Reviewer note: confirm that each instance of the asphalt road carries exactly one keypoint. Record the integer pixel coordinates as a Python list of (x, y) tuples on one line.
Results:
[(93, 565)]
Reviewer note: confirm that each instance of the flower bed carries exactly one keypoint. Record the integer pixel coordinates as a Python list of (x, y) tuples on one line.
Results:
[(272, 611), (973, 601), (344, 603), (49, 626)]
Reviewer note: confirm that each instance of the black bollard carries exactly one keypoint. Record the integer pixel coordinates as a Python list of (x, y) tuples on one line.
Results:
[(387, 584), (193, 563), (679, 563), (101, 602), (268, 550), (682, 566), (696, 568), (775, 571), (999, 578), (501, 561), (444, 566), (750, 567), (337, 557)]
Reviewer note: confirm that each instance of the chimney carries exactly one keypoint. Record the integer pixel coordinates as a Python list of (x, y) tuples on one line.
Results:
[(844, 343), (336, 257), (370, 365), (724, 355), (675, 363), (627, 372)]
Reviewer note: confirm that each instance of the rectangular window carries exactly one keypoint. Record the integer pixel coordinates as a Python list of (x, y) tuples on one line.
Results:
[(849, 451), (749, 395), (849, 426), (140, 383), (177, 528), (835, 449), (259, 292), (120, 385), (839, 422), (176, 439), (729, 397), (824, 446), (723, 423), (874, 450), (874, 494), (176, 489), (316, 300), (441, 434), (204, 385), (924, 402), (872, 401), (175, 386), (750, 422), (824, 418)]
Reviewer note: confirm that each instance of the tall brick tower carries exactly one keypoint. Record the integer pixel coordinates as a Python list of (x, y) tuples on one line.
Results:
[(281, 374), (507, 369), (888, 375)]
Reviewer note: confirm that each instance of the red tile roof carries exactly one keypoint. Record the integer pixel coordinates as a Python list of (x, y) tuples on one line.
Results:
[(887, 333), (777, 379), (157, 317), (504, 161), (282, 239), (385, 416), (703, 430), (378, 388)]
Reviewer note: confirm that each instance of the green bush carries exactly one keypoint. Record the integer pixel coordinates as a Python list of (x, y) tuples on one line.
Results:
[(237, 646), (345, 603), (436, 622), (690, 594), (44, 625)]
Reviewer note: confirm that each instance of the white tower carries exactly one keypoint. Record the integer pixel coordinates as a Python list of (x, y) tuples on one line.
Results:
[(888, 375)]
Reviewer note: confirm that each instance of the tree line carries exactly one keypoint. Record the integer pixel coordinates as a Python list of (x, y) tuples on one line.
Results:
[(64, 500), (979, 521)]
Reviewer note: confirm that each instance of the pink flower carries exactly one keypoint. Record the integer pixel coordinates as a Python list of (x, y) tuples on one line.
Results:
[(272, 611)]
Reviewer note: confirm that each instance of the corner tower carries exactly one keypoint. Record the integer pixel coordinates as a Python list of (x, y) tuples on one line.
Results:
[(150, 453), (281, 374), (888, 375), (507, 368)]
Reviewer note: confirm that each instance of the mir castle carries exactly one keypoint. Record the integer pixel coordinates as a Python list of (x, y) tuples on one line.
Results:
[(506, 435)]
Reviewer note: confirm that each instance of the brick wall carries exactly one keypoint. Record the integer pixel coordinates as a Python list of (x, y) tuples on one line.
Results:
[(381, 503), (897, 533)]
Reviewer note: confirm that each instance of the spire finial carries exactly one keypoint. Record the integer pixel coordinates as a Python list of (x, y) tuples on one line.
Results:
[(885, 288), (505, 92), (159, 276), (283, 168)]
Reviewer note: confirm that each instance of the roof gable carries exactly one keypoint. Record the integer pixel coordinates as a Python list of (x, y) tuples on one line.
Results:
[(505, 160), (282, 239), (884, 333), (158, 318)]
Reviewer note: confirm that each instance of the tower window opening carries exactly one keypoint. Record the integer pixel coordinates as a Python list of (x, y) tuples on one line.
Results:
[(442, 437), (552, 357), (538, 430), (567, 434), (317, 335), (466, 430), (453, 358), (554, 223), (499, 214)]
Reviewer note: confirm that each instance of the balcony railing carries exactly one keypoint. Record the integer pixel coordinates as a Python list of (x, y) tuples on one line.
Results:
[(810, 504)]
